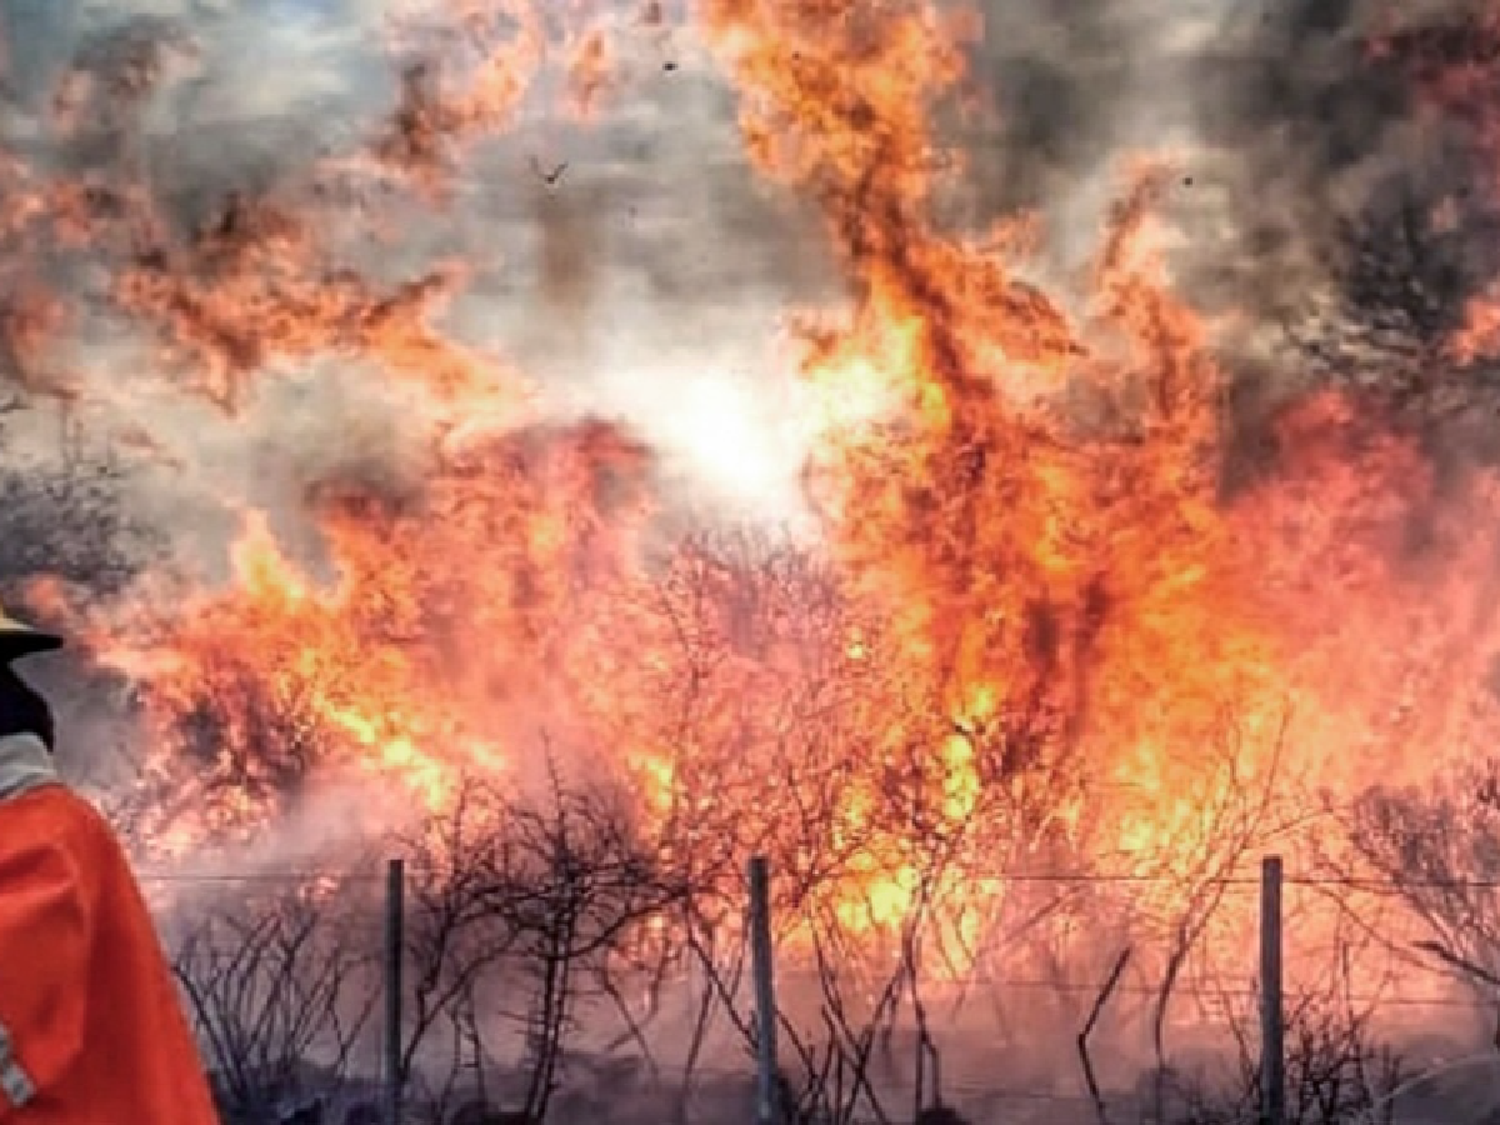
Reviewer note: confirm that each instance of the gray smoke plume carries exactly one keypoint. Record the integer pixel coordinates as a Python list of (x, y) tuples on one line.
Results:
[(629, 266), (1334, 208)]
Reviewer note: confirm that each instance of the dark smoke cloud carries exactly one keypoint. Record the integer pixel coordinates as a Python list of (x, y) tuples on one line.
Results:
[(1336, 166), (1324, 200)]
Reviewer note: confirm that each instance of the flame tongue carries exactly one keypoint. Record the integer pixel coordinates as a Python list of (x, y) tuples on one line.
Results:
[(1043, 585)]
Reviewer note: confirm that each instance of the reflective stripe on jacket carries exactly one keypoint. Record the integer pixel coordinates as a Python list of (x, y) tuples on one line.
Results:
[(92, 1031)]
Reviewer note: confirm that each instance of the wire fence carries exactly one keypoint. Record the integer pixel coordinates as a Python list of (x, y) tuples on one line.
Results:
[(1022, 878), (1000, 1027)]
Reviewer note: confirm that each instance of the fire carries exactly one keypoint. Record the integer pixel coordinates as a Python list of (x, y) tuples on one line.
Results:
[(1037, 628), (1059, 578)]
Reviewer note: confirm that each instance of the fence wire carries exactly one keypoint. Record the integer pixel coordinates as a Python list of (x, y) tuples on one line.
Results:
[(284, 973)]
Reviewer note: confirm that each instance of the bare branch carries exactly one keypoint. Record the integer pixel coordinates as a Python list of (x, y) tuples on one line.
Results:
[(1095, 1012)]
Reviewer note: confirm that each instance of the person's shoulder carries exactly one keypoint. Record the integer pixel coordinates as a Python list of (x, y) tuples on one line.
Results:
[(50, 799), (58, 813)]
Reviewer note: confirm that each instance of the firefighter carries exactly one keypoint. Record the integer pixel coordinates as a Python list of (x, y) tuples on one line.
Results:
[(91, 1028)]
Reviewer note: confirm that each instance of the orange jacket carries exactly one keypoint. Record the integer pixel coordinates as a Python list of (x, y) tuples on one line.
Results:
[(91, 1028)]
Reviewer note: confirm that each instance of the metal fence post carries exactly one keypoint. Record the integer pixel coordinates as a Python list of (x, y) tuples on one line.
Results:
[(395, 941), (767, 1108), (1272, 1014)]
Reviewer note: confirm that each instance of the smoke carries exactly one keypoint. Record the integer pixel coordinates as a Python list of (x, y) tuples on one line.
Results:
[(626, 261), (624, 266), (1327, 209)]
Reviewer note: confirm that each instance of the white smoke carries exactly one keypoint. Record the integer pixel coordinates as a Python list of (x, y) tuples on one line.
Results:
[(628, 265)]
